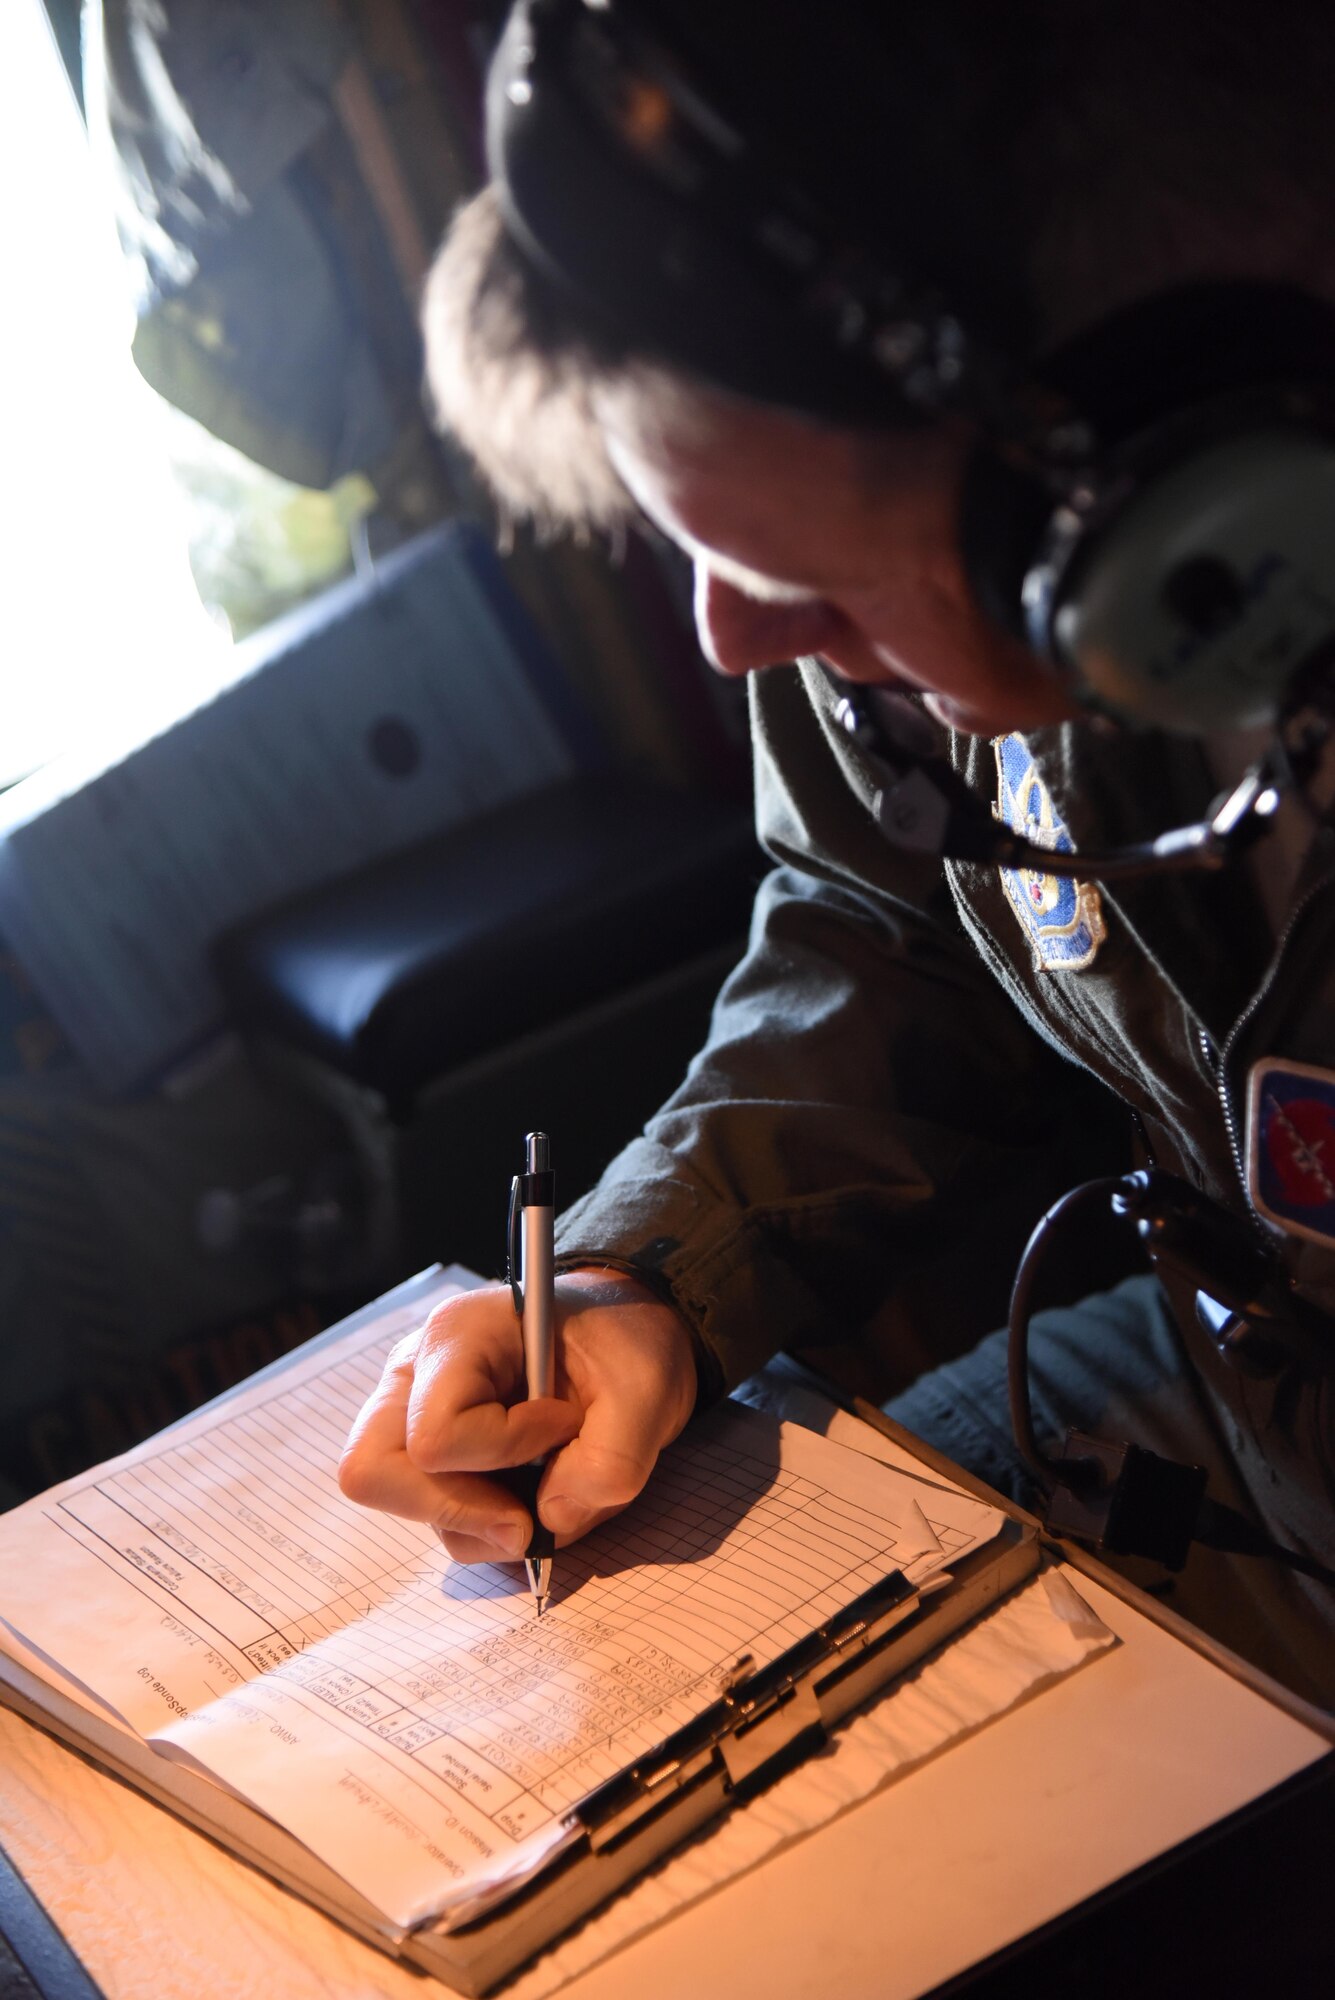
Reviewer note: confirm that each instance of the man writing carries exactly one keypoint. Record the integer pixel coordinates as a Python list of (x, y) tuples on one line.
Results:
[(855, 1155)]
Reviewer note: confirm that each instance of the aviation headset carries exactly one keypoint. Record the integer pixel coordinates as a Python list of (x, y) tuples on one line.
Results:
[(1148, 508)]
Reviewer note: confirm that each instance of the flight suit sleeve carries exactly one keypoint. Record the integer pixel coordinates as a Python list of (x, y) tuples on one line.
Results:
[(856, 1155)]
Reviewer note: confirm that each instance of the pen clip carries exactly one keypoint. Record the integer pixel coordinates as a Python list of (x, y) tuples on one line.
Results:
[(513, 1244)]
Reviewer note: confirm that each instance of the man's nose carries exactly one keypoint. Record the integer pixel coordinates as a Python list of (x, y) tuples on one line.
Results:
[(738, 633)]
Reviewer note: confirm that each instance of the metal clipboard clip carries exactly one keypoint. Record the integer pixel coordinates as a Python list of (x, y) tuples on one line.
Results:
[(765, 1721)]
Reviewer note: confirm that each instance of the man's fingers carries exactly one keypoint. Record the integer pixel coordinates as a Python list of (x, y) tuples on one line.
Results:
[(463, 1508), (376, 1471), (379, 1467), (632, 1366), (466, 1409), (472, 1549), (486, 1437), (479, 1521), (377, 1435), (450, 1407), (599, 1472)]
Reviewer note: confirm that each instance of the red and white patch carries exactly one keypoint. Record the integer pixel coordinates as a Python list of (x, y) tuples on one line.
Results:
[(1291, 1147)]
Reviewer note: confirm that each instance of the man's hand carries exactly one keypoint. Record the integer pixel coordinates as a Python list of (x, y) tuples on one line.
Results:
[(449, 1409)]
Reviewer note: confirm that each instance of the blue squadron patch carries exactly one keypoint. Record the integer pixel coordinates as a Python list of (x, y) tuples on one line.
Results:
[(1291, 1147), (1062, 917)]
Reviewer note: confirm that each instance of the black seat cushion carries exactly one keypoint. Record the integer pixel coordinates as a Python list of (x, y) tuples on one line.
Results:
[(404, 970)]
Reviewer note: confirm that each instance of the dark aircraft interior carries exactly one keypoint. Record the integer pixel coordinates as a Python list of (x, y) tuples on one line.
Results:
[(459, 841), (349, 829)]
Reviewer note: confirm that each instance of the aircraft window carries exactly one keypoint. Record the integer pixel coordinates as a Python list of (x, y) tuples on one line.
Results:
[(102, 620), (109, 497)]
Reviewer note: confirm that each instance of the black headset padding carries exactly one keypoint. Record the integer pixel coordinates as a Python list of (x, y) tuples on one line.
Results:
[(1148, 364)]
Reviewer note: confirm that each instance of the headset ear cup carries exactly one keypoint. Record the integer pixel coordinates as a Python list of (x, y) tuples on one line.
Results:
[(1136, 377), (1003, 517), (1192, 593)]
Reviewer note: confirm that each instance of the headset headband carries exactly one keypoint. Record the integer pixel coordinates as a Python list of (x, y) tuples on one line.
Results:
[(677, 224), (670, 231)]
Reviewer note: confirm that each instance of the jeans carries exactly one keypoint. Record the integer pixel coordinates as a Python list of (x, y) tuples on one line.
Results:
[(1114, 1365)]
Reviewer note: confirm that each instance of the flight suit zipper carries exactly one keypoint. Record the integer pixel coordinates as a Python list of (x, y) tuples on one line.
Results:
[(1218, 1058)]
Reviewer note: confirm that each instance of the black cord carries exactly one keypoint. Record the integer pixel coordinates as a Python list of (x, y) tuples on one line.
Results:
[(1048, 1472), (1223, 1528), (1214, 1525)]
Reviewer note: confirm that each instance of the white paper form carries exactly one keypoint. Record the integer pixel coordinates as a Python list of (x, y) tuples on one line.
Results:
[(409, 1718)]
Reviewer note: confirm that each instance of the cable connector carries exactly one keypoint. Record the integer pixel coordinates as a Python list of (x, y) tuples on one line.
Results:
[(1125, 1500)]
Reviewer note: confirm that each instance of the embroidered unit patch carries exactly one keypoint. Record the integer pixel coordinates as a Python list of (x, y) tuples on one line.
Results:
[(1291, 1147), (1062, 917)]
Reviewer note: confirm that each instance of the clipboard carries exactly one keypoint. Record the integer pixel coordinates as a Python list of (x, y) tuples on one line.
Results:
[(760, 1723), (761, 1726)]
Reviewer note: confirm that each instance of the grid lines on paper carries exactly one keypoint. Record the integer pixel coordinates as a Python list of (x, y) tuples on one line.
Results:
[(653, 1608), (724, 1554)]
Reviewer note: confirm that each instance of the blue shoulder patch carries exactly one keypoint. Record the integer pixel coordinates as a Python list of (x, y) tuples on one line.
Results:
[(1291, 1147), (1063, 918)]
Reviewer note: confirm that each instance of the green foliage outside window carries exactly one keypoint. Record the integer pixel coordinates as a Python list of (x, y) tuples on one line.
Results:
[(259, 545)]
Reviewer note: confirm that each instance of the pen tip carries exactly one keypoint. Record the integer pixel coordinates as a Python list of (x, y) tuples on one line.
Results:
[(539, 1572)]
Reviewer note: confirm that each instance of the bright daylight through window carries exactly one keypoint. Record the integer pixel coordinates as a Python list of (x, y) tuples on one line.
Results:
[(109, 497)]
